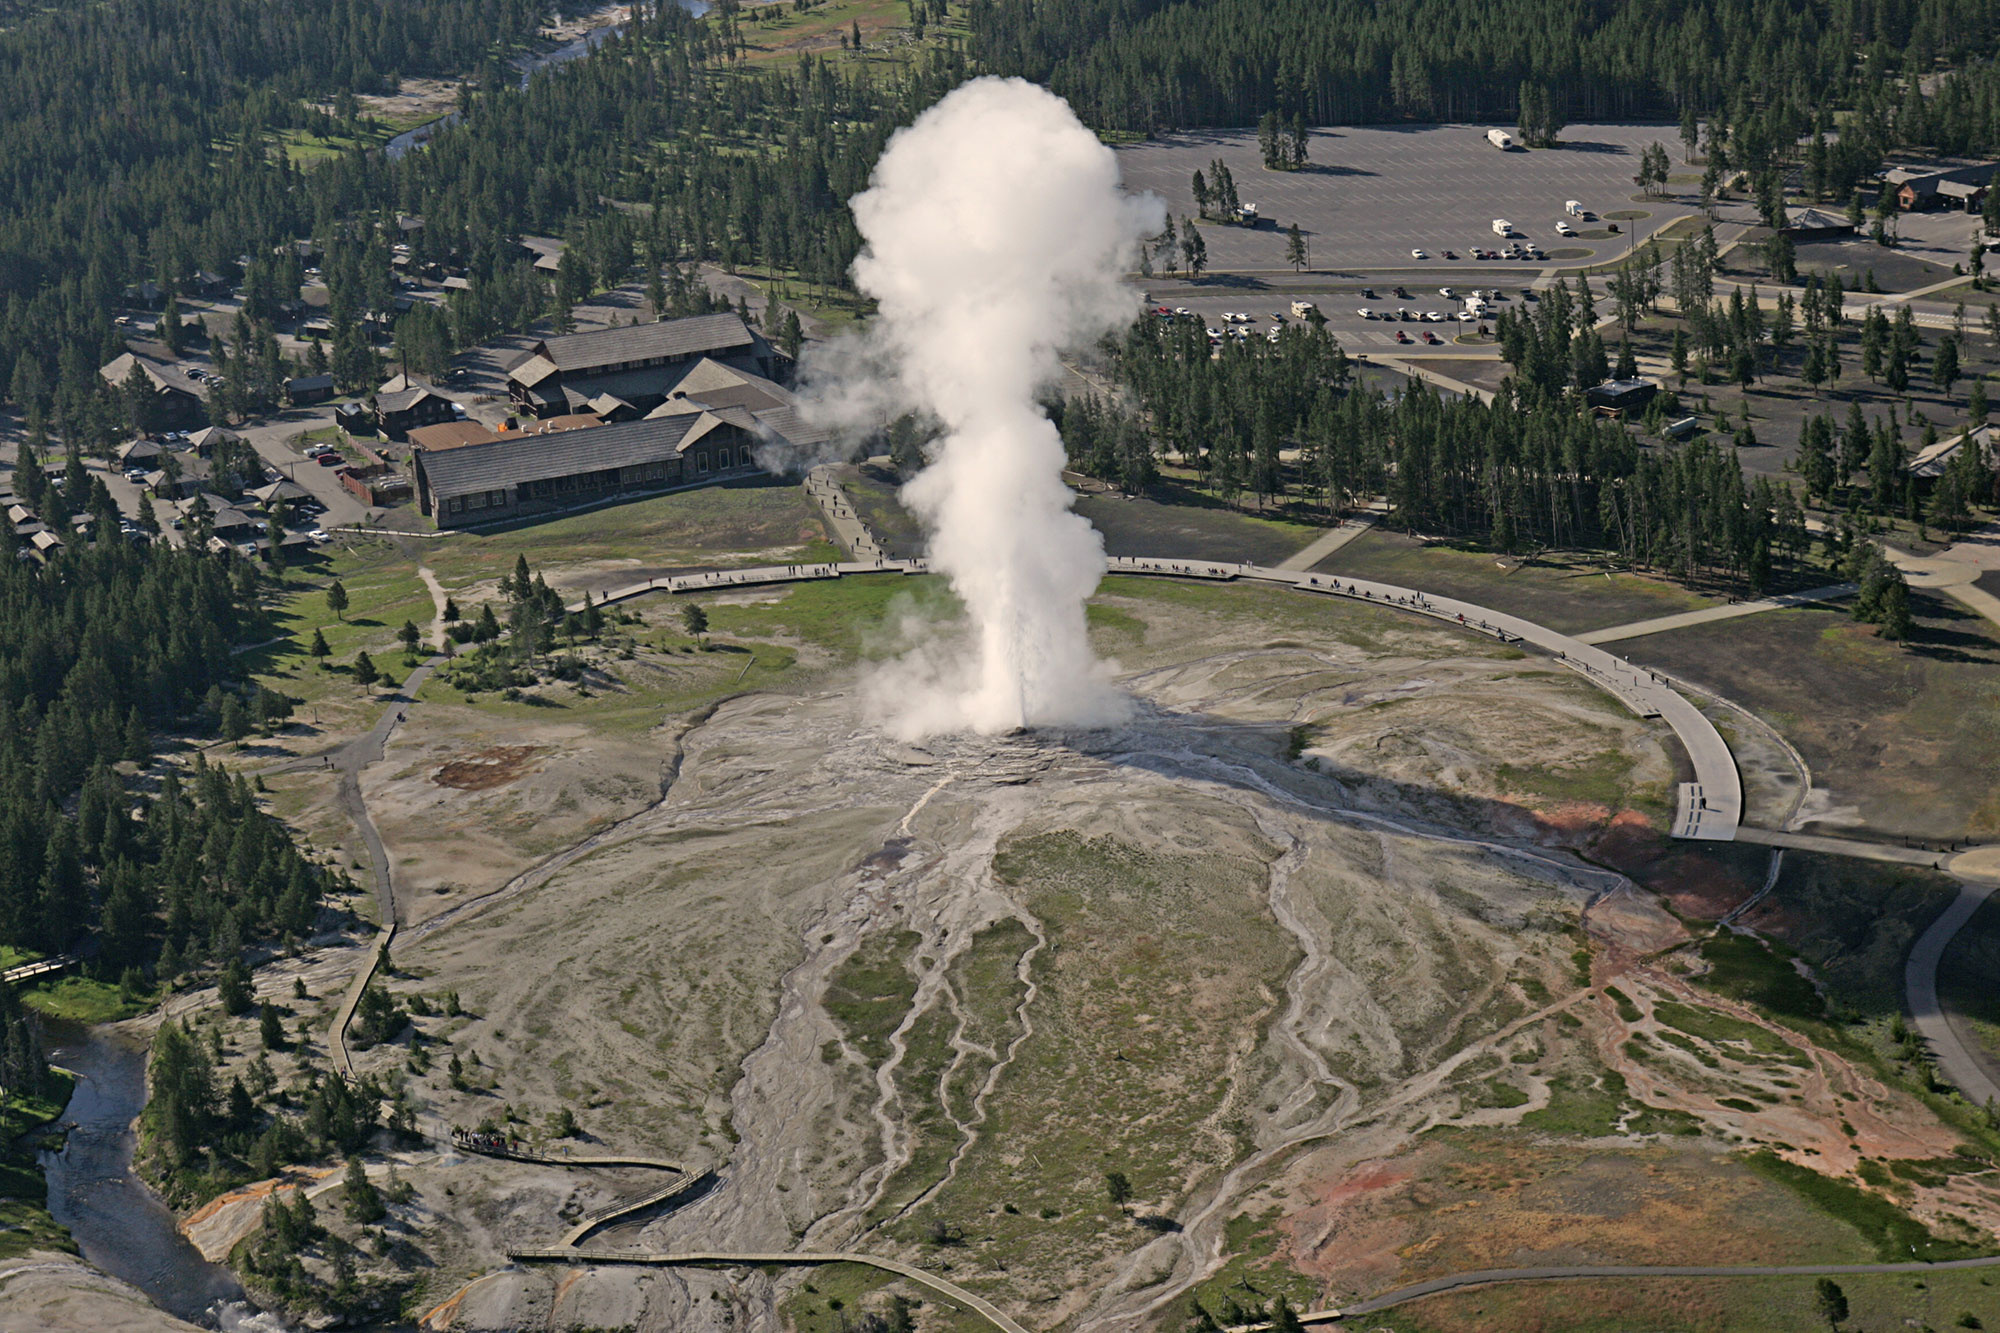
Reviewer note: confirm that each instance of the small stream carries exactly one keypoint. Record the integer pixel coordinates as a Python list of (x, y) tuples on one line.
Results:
[(120, 1225)]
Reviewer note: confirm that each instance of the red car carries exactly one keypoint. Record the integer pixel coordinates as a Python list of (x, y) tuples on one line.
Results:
[(1401, 336), (1449, 255), (1433, 339)]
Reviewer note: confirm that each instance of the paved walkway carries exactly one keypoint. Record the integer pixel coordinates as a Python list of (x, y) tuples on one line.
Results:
[(1328, 542), (850, 530), (1850, 847), (1660, 624), (1708, 808), (337, 1035), (943, 1286), (1960, 1056), (1403, 365)]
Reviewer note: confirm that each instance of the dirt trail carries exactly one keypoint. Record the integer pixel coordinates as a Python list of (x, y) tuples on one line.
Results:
[(438, 599)]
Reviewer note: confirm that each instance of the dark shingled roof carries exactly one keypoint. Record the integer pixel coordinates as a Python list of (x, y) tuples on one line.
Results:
[(515, 459), (401, 401), (645, 342)]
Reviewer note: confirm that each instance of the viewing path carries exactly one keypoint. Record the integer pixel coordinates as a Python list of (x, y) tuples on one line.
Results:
[(1709, 808)]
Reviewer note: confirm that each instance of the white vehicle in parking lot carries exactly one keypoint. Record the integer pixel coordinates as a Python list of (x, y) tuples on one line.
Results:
[(1365, 313), (1564, 229), (1418, 254), (1434, 316), (1446, 292), (1300, 309)]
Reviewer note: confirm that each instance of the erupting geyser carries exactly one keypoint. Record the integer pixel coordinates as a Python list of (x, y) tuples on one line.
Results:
[(996, 235)]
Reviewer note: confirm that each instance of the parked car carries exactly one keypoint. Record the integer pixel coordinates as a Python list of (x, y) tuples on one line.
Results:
[(135, 474), (1402, 295), (1449, 255), (1418, 254), (1447, 293), (329, 459), (1365, 313), (1433, 339), (1401, 336)]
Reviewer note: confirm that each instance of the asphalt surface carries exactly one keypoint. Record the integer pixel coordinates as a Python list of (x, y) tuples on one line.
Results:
[(1372, 193)]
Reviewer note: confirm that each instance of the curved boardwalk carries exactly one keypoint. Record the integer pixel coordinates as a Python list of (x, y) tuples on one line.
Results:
[(950, 1290), (1709, 808)]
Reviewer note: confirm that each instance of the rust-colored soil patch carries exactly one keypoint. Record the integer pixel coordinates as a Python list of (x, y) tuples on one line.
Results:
[(493, 767)]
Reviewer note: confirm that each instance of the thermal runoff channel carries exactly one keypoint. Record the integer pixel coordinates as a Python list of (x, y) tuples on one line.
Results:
[(997, 234)]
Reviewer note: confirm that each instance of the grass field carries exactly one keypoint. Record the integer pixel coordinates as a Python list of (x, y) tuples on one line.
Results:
[(1181, 523), (1900, 737), (1155, 968), (1937, 1300), (1565, 595), (624, 543), (383, 591)]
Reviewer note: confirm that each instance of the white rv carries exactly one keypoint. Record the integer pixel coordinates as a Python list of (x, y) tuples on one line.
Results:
[(1500, 139), (1573, 207), (1502, 227)]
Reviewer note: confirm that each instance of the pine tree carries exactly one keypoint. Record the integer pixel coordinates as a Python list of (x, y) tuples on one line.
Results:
[(362, 1200)]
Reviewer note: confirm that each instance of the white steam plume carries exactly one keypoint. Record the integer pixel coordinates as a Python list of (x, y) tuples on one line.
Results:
[(996, 236)]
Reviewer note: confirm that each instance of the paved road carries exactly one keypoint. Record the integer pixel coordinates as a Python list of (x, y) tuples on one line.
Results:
[(1960, 1056), (1660, 624), (943, 1286)]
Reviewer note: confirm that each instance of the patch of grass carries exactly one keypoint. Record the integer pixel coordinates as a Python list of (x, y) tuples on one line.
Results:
[(1627, 1010), (746, 523), (25, 1223), (1760, 972), (1721, 1029), (1894, 1233), (11, 957), (870, 992), (83, 1000), (1588, 1108), (1700, 1305), (851, 617), (1658, 1120), (1252, 1274), (1567, 594), (1601, 779), (1497, 1093)]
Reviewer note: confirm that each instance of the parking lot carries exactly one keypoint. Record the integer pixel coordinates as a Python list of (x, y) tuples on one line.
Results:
[(1339, 303), (1372, 194)]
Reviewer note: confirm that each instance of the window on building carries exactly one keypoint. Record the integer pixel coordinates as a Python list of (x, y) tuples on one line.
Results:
[(477, 501), (496, 498), (701, 463)]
